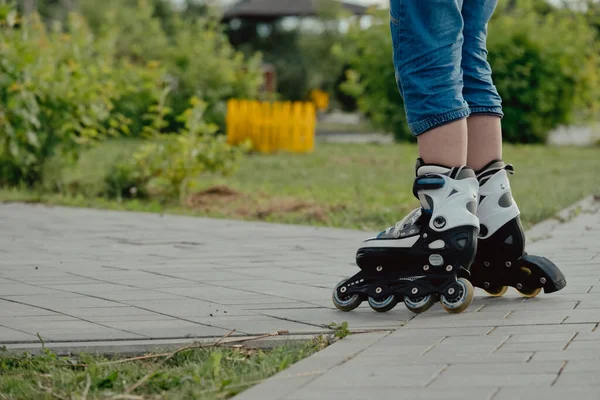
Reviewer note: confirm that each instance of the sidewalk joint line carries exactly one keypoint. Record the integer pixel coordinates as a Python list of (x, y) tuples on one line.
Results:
[(562, 368), (495, 393), (570, 340)]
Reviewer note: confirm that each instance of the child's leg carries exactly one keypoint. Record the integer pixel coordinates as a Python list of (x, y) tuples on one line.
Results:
[(500, 259), (485, 133), (427, 38)]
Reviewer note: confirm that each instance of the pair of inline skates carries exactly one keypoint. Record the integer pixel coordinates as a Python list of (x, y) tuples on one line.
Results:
[(466, 233)]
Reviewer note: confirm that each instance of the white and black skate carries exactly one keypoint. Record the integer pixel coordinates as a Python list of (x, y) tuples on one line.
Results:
[(501, 260), (418, 259)]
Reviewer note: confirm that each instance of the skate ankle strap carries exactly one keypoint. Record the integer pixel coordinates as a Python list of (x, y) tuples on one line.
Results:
[(485, 174)]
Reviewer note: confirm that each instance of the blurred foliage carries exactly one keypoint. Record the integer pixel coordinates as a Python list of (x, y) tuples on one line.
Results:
[(65, 86), (545, 63), (546, 68), (196, 52), (371, 79), (60, 90)]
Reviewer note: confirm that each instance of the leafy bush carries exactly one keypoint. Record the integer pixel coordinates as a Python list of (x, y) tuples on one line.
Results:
[(196, 53), (65, 88), (169, 166), (545, 64), (545, 68), (59, 91), (371, 79)]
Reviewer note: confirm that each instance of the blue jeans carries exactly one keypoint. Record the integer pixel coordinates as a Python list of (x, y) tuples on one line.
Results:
[(440, 60)]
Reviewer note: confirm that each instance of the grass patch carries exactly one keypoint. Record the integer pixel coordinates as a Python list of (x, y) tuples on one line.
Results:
[(358, 186), (197, 373)]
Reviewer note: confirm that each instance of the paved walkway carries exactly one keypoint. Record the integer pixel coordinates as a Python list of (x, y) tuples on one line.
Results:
[(80, 277)]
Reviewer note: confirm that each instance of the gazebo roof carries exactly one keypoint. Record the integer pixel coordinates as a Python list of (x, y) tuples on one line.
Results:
[(272, 9)]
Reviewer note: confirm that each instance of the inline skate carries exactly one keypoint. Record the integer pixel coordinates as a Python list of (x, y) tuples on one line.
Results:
[(501, 260), (418, 259)]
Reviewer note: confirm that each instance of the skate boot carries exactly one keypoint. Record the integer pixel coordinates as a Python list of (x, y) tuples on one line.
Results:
[(418, 259), (501, 260)]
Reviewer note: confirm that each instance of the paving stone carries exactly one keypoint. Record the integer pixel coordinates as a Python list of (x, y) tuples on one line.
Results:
[(587, 335), (463, 348), (544, 328), (547, 367), (259, 325), (565, 355), (95, 334), (579, 379), (553, 393), (408, 331), (461, 341), (390, 393), (584, 344), (365, 317), (69, 303), (541, 337), (457, 378), (11, 309), (8, 335), (416, 358), (582, 366), (356, 376), (92, 312), (532, 346), (276, 387)]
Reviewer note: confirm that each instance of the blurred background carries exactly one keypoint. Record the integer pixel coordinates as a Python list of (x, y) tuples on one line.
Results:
[(270, 109)]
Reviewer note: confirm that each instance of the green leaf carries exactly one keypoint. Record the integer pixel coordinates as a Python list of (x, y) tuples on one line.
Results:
[(108, 381)]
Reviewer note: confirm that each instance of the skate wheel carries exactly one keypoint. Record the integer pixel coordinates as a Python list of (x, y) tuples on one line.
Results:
[(527, 292), (496, 292), (420, 304), (462, 301), (383, 305), (347, 303)]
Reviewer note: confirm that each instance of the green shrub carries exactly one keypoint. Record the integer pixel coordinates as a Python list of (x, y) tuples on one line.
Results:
[(169, 166), (372, 80), (65, 88), (545, 66), (59, 91), (196, 53)]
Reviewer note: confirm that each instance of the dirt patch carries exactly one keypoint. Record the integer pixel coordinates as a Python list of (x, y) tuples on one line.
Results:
[(229, 202), (213, 196), (280, 207)]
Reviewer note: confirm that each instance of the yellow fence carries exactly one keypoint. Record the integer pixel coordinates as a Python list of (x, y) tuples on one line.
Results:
[(272, 126)]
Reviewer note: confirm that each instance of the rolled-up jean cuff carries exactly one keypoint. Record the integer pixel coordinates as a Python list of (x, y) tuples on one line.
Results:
[(426, 124), (495, 110)]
